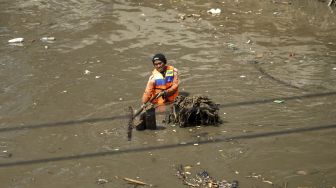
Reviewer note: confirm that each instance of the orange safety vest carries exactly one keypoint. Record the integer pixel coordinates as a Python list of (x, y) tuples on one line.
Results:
[(163, 83)]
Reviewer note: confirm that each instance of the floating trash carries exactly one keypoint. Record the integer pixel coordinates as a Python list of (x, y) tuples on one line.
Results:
[(232, 46), (301, 172), (214, 12), (87, 72), (202, 179), (47, 39), (184, 16), (101, 181), (135, 182), (16, 40), (279, 101)]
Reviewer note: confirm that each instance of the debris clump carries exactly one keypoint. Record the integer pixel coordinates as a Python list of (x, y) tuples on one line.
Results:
[(202, 179), (192, 111)]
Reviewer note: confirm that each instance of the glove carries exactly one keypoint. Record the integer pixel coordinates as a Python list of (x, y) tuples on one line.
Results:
[(163, 94)]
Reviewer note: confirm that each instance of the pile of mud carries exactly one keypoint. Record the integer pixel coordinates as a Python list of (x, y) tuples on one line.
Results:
[(192, 111)]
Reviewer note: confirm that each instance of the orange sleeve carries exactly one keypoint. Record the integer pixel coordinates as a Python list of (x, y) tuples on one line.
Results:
[(175, 85), (149, 91)]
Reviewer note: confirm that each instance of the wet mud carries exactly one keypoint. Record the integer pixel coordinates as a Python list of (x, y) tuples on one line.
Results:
[(66, 89)]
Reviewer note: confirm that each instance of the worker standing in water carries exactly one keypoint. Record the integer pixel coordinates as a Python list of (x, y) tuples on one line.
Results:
[(163, 83)]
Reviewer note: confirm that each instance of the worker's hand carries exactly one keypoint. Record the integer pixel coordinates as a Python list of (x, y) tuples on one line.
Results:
[(163, 94)]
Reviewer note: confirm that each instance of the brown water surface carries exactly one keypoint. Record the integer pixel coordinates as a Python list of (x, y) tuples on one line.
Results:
[(62, 105)]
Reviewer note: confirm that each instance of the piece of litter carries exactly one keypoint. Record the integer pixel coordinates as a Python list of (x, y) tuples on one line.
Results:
[(198, 163), (182, 16), (87, 72), (135, 181), (97, 77), (214, 12), (187, 167), (230, 45), (102, 181), (236, 172), (243, 76), (334, 68), (269, 182), (301, 172), (46, 39), (16, 40), (196, 144), (278, 101)]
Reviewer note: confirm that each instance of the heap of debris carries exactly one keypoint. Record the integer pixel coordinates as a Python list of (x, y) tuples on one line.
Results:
[(191, 111), (202, 179)]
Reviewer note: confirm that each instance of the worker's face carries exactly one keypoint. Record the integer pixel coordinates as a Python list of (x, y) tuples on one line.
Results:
[(159, 65)]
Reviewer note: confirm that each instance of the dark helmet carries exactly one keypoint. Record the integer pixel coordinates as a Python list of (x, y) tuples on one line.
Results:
[(160, 57)]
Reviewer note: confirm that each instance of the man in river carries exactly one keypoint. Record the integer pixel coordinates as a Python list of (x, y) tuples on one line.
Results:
[(161, 89), (163, 82)]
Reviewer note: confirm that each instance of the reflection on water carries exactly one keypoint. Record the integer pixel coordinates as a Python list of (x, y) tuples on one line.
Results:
[(100, 62)]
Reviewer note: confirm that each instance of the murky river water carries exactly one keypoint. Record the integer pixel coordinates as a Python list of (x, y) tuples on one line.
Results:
[(62, 103)]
